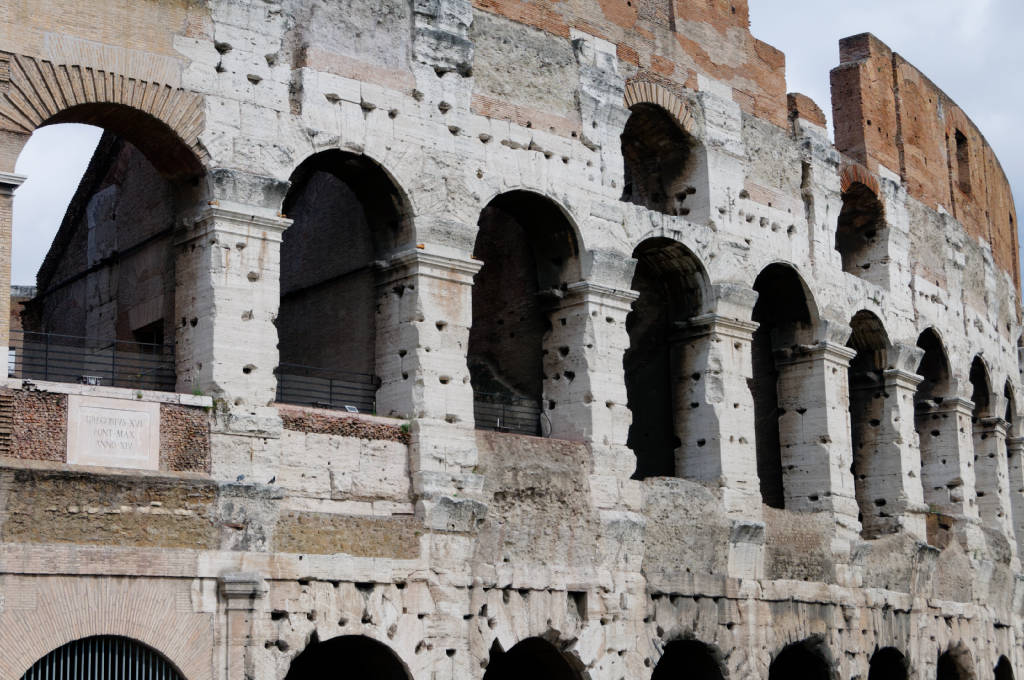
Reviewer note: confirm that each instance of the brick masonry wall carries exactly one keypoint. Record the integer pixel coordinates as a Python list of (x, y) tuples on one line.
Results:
[(184, 439)]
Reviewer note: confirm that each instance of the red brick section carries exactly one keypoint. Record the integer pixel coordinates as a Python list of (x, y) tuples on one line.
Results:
[(888, 113), (853, 173), (39, 425), (184, 439), (803, 107), (321, 421), (705, 40)]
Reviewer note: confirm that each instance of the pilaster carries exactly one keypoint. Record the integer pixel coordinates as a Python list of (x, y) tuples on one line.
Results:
[(992, 475), (9, 182)]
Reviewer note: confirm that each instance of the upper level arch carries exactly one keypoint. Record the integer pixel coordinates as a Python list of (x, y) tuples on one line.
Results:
[(109, 657), (808, 659), (690, 659), (361, 656), (162, 121), (533, 657)]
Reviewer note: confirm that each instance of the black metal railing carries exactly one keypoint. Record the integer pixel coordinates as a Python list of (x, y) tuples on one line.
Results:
[(312, 386), (76, 359), (506, 413)]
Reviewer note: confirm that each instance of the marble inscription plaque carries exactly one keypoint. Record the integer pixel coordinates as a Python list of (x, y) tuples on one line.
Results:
[(113, 432)]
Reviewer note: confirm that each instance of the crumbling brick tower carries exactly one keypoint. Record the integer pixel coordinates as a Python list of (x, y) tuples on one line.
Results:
[(652, 376)]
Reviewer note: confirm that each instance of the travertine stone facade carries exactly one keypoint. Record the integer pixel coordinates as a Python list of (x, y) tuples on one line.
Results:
[(775, 375)]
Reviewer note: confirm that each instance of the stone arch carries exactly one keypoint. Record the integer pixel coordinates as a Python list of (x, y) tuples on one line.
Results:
[(125, 659), (981, 387), (873, 471), (786, 314), (806, 659), (990, 460), (1003, 669), (861, 229), (956, 663), (645, 92), (673, 288), (689, 658), (888, 663), (362, 656), (71, 608), (533, 657), (39, 92), (1010, 410), (664, 162), (531, 256)]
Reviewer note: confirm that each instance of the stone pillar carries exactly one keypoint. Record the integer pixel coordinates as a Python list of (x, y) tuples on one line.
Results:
[(814, 431), (424, 313), (898, 456), (240, 593), (1015, 471), (992, 477), (947, 467), (8, 183), (584, 383), (714, 409)]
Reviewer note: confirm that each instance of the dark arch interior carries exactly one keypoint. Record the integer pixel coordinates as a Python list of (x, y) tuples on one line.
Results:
[(669, 280), (951, 667), (1010, 414), (120, 658), (888, 664), (980, 389), (867, 402), (532, 658), (530, 255), (690, 659), (349, 656), (799, 660), (934, 368), (347, 215), (861, 220), (783, 315), (1004, 669), (659, 159)]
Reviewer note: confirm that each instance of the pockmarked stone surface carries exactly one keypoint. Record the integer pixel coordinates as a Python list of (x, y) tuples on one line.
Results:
[(113, 432)]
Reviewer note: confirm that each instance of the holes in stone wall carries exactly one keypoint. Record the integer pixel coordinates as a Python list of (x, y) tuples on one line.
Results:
[(861, 234)]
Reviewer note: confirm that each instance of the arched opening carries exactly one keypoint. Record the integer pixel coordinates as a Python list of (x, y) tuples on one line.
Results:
[(954, 664), (876, 476), (805, 660), (665, 168), (935, 419), (532, 658), (530, 254), (990, 461), (103, 657), (347, 656), (1010, 412), (981, 390), (888, 663), (784, 320), (688, 658), (1003, 669), (348, 215), (670, 282), (102, 308), (861, 231)]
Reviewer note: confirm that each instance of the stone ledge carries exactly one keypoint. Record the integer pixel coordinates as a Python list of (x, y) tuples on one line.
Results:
[(198, 401)]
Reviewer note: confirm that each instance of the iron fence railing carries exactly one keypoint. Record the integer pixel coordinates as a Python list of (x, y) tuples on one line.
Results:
[(505, 413), (76, 359), (312, 386)]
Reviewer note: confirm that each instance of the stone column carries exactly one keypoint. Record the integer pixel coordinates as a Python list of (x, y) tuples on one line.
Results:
[(1015, 471), (896, 490), (424, 314), (8, 183), (992, 475), (947, 467), (814, 431), (227, 295), (714, 409), (584, 384)]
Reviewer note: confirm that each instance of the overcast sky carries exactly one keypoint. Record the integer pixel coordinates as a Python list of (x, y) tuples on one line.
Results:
[(970, 49)]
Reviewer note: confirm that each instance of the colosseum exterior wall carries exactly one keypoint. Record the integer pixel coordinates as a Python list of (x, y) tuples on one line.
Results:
[(774, 375)]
